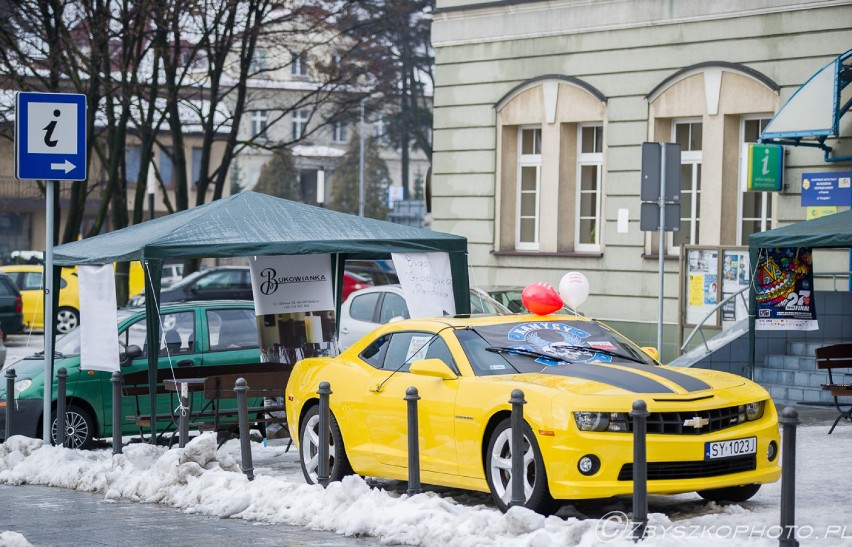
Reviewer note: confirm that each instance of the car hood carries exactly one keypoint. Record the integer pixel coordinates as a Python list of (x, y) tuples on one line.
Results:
[(624, 379), (34, 367)]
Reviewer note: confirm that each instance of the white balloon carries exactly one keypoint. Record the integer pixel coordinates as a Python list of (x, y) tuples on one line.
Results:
[(574, 289)]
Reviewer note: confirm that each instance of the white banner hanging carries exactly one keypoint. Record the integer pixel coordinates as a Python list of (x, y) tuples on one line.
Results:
[(98, 318), (427, 283), (291, 283)]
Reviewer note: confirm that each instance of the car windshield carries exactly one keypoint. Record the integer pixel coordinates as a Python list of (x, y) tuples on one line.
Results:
[(512, 348), (70, 343), (188, 279)]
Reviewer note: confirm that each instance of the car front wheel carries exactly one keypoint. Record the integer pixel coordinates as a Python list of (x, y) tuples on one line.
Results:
[(338, 465), (79, 428), (498, 465), (67, 319), (734, 494)]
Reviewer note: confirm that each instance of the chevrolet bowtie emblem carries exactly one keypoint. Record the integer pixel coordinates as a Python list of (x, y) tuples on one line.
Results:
[(697, 422)]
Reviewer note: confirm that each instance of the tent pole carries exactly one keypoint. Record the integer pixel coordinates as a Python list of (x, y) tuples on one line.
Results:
[(752, 310), (153, 270)]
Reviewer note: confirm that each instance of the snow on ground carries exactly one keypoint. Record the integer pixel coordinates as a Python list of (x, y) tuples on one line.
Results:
[(201, 479)]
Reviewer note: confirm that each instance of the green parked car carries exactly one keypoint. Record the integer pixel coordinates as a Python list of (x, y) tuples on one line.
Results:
[(195, 334)]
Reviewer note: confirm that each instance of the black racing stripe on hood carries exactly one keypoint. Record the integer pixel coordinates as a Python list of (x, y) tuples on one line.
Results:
[(687, 382), (624, 379)]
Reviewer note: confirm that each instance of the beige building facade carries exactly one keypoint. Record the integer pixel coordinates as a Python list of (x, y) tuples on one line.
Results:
[(541, 109)]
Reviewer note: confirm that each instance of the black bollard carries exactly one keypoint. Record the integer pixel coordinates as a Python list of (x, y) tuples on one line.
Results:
[(183, 419), (323, 433), (789, 420), (413, 442), (61, 381), (640, 469), (10, 400), (517, 401), (117, 380), (240, 388)]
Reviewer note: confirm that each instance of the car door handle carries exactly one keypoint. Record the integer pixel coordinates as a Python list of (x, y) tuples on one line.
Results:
[(344, 330), (186, 363)]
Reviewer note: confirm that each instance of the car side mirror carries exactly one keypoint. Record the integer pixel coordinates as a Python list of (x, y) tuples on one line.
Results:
[(132, 352), (432, 367), (652, 351)]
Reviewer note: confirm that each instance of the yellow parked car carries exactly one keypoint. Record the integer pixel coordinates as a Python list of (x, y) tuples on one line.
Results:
[(29, 279), (709, 432)]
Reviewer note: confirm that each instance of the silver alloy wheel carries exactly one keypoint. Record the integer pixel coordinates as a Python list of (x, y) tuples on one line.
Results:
[(76, 429), (310, 448), (500, 462), (67, 319)]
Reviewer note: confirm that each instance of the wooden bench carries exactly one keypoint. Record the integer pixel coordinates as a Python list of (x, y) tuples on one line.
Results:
[(835, 357), (263, 379)]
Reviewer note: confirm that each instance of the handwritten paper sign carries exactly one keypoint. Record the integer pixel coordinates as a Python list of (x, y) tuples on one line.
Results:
[(291, 283), (427, 283)]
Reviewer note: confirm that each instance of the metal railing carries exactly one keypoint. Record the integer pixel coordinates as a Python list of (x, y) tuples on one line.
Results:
[(712, 312)]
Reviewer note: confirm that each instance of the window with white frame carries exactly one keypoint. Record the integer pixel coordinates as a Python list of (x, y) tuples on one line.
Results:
[(259, 60), (589, 170), (755, 208), (340, 132), (299, 66), (529, 184), (259, 119), (687, 133), (300, 122)]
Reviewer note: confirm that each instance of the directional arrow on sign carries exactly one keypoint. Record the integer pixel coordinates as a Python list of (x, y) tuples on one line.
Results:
[(66, 166)]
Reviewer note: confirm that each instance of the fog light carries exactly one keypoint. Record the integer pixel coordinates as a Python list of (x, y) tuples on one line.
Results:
[(771, 451), (589, 464)]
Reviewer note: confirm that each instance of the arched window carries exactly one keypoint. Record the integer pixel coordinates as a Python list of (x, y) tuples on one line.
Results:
[(712, 110), (550, 167)]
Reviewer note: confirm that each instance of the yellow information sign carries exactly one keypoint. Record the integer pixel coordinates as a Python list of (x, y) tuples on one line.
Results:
[(696, 290), (821, 211)]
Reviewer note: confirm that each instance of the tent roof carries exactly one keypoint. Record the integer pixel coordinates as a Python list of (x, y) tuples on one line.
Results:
[(248, 224), (828, 231)]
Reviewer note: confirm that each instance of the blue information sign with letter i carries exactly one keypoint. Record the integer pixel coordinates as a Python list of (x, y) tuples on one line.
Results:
[(50, 136)]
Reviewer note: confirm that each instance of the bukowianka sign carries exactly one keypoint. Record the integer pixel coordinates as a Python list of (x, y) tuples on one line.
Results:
[(291, 283)]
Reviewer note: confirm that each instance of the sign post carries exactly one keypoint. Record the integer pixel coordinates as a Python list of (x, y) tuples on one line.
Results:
[(660, 211), (50, 145)]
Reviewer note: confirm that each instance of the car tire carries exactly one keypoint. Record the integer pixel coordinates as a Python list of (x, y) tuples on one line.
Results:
[(733, 494), (79, 428), (67, 319), (498, 468), (339, 465)]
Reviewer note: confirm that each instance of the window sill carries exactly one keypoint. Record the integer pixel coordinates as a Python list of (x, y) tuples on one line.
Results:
[(657, 257), (559, 254)]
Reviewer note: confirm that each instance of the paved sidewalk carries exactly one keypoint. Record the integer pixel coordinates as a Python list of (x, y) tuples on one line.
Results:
[(56, 516)]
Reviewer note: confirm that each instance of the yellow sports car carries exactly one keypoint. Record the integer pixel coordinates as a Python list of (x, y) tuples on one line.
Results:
[(710, 432)]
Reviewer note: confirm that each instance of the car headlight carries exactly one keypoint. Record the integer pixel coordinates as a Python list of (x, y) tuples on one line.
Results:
[(601, 421), (754, 411), (22, 385)]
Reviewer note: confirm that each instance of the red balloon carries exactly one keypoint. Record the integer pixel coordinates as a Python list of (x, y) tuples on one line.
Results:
[(541, 299)]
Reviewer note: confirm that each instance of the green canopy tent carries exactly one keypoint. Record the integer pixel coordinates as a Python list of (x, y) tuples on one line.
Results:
[(251, 224), (832, 231)]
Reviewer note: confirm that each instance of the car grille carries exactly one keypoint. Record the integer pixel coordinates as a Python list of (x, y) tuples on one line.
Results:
[(692, 470), (671, 423)]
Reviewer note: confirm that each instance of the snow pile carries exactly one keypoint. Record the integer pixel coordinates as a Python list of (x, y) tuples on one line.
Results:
[(205, 480)]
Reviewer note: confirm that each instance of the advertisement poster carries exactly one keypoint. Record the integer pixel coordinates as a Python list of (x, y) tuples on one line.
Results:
[(735, 277), (784, 289), (426, 282), (294, 303), (291, 283), (703, 284)]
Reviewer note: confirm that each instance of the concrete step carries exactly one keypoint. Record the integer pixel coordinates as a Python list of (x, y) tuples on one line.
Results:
[(788, 394), (807, 349), (790, 362)]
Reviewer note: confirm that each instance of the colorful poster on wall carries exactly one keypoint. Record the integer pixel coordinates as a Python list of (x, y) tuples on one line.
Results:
[(735, 277), (784, 290)]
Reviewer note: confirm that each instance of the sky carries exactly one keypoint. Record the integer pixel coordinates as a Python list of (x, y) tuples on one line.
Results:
[(201, 479)]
